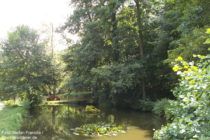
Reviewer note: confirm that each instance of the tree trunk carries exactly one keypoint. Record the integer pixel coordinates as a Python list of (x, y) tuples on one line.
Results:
[(140, 42), (88, 11), (114, 34), (53, 71)]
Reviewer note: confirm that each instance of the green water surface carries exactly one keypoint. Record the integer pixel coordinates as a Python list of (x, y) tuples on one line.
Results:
[(57, 123)]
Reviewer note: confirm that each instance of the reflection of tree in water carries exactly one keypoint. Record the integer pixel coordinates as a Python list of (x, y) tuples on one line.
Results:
[(75, 116), (46, 120), (145, 121), (56, 122), (54, 108)]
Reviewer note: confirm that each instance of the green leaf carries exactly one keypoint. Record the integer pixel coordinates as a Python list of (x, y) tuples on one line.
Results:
[(208, 31), (207, 41)]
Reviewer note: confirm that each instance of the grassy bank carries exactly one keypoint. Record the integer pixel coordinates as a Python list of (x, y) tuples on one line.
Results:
[(11, 118)]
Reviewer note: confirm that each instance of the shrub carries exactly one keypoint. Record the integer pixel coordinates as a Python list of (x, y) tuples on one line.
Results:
[(34, 99), (143, 105), (11, 119), (161, 106), (90, 108), (25, 104), (10, 103), (192, 109)]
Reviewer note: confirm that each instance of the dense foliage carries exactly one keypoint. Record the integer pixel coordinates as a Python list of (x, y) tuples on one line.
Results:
[(11, 119), (25, 69), (192, 109), (160, 107), (125, 47), (123, 59)]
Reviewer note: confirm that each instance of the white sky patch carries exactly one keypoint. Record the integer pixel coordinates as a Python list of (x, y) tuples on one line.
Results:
[(34, 13)]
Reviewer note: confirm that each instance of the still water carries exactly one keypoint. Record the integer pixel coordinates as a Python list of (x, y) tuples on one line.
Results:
[(57, 122)]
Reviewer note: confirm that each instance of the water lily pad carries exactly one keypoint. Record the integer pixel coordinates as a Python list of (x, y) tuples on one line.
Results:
[(99, 129)]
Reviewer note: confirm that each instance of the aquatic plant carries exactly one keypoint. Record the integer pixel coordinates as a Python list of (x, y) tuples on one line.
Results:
[(98, 129), (90, 108)]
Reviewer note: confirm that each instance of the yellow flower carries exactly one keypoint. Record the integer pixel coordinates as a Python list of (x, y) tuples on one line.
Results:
[(192, 82), (186, 66), (194, 68), (208, 31), (179, 58), (187, 71), (176, 68)]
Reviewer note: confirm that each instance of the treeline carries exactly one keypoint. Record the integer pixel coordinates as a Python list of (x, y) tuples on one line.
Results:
[(126, 47), (123, 56)]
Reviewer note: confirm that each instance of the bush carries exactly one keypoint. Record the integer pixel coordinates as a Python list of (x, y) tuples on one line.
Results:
[(24, 103), (143, 105), (90, 108), (191, 111), (9, 103), (11, 119), (34, 99), (161, 106)]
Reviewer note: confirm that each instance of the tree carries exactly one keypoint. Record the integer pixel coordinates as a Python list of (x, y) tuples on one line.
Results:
[(183, 25), (110, 60), (24, 69), (125, 45)]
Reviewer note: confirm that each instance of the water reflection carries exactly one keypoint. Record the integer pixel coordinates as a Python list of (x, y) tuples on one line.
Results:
[(56, 122)]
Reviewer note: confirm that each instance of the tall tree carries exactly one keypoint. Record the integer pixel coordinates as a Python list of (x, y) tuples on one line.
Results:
[(140, 40), (113, 58), (184, 24), (24, 69)]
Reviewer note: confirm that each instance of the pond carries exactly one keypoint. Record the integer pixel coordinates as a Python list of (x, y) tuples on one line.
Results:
[(57, 123)]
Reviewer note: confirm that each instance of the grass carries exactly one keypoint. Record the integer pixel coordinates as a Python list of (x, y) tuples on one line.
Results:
[(11, 118)]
